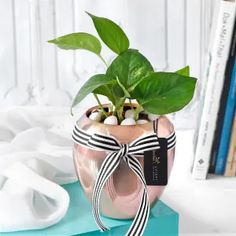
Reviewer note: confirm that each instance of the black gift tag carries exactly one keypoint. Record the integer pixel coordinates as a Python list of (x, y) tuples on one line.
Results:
[(155, 164)]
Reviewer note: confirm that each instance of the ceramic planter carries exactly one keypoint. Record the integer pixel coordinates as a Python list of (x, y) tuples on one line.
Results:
[(122, 193)]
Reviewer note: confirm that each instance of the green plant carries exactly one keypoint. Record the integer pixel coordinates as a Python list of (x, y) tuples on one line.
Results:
[(130, 75)]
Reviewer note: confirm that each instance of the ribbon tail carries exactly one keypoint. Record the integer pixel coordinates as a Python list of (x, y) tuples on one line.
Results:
[(139, 223), (107, 168)]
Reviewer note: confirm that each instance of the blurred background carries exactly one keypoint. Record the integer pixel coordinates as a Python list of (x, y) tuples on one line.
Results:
[(38, 82), (171, 34)]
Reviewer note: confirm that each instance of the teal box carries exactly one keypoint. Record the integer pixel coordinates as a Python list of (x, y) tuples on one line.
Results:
[(163, 221)]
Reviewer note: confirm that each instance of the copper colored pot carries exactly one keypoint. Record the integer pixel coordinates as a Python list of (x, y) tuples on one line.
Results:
[(122, 193)]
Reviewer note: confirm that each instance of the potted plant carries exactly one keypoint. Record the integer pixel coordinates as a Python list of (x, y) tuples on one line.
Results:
[(111, 139)]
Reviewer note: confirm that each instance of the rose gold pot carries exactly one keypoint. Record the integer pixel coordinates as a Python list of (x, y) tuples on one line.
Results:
[(122, 193)]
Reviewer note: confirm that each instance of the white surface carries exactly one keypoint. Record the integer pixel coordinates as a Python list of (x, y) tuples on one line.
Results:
[(205, 207)]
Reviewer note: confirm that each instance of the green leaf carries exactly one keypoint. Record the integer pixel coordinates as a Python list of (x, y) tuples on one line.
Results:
[(106, 91), (184, 71), (112, 91), (111, 34), (79, 40), (130, 68), (164, 92), (92, 85)]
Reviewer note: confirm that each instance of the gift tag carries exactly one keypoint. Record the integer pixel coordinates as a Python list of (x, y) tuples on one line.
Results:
[(155, 164)]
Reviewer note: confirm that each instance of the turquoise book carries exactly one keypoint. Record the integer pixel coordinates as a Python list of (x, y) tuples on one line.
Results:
[(227, 125), (163, 220)]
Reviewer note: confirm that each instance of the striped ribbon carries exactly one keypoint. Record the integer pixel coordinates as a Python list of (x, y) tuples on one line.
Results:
[(127, 152)]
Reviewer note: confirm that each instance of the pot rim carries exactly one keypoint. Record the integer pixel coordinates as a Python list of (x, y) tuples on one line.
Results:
[(109, 125)]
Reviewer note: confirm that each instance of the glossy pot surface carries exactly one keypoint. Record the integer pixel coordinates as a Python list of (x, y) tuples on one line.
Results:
[(122, 192)]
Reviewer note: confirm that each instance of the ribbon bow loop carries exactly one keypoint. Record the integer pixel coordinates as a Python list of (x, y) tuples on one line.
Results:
[(145, 143), (104, 143)]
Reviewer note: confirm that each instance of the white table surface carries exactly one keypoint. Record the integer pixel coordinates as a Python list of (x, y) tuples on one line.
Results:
[(205, 207)]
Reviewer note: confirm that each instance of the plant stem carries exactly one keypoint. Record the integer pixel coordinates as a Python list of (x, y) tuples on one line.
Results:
[(122, 87), (131, 105), (137, 111), (119, 109), (100, 105), (103, 60), (112, 108), (120, 114), (71, 110)]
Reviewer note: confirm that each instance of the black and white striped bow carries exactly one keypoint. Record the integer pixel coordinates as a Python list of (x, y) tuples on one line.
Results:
[(117, 151)]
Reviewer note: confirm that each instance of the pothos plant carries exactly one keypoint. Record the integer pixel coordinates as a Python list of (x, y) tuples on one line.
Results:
[(130, 76)]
